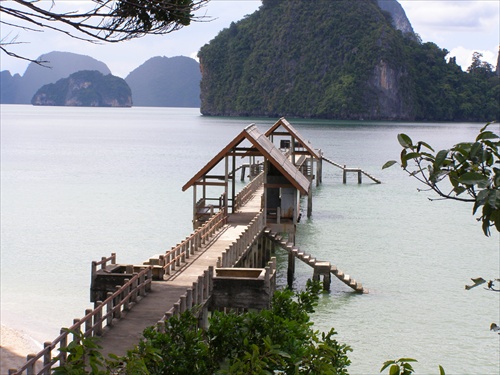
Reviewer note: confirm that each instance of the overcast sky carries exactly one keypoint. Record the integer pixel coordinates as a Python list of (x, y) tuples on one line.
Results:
[(460, 26)]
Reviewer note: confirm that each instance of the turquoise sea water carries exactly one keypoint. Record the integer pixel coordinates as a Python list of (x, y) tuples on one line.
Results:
[(80, 183)]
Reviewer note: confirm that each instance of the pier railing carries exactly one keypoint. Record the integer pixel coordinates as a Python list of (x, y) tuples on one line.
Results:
[(174, 257), (246, 193), (201, 290), (234, 252), (359, 171), (92, 324)]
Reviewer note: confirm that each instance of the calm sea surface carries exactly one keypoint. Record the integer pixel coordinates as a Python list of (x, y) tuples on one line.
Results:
[(80, 183)]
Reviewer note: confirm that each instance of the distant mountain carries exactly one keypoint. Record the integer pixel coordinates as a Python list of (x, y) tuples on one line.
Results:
[(166, 82), (159, 82), (19, 90), (8, 87), (85, 89)]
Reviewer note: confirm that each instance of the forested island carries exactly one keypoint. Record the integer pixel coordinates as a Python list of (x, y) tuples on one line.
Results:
[(348, 60), (86, 88)]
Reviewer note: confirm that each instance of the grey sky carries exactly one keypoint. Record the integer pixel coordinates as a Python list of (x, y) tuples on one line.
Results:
[(460, 26)]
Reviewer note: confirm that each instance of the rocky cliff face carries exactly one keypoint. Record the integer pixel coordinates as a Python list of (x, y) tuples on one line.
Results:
[(399, 19), (498, 63), (305, 59), (85, 88), (386, 84)]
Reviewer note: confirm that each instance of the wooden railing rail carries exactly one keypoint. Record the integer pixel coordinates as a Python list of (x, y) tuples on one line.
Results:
[(246, 193), (178, 254), (197, 295), (103, 263), (92, 324), (237, 249)]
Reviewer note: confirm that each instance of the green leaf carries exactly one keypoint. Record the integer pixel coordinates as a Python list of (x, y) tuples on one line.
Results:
[(404, 163), (486, 135), (387, 364), (440, 158), (421, 143), (394, 370), (407, 360), (412, 155), (441, 370), (474, 151), (388, 164), (472, 178), (405, 141)]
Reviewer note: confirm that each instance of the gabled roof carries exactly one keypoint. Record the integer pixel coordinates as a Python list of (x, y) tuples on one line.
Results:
[(295, 134), (267, 149)]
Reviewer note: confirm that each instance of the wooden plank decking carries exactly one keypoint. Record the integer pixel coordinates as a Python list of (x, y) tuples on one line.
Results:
[(126, 332)]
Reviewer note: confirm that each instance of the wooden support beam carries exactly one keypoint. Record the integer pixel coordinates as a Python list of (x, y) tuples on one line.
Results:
[(277, 186), (206, 183)]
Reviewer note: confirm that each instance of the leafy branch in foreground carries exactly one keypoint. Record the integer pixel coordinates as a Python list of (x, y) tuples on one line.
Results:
[(99, 20), (472, 169), (402, 366)]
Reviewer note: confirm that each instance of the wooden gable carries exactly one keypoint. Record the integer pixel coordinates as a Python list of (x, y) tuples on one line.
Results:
[(264, 147), (290, 130)]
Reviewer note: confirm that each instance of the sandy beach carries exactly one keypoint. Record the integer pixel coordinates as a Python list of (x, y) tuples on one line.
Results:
[(14, 346)]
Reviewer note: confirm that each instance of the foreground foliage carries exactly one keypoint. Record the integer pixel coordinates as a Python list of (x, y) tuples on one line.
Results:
[(280, 340), (402, 366), (471, 168)]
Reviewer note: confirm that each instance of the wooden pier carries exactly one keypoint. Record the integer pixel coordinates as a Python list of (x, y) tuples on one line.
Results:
[(346, 170), (225, 263)]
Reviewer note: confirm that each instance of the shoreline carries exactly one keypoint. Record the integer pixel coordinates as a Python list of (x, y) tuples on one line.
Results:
[(15, 345)]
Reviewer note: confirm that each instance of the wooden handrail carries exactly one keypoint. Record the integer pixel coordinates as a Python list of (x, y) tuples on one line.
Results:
[(92, 322), (246, 193), (199, 237), (231, 256)]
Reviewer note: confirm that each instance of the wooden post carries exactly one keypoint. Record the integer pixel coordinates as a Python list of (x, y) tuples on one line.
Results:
[(31, 368), (76, 337), (47, 357), (183, 306), (189, 298), (160, 326), (319, 168), (226, 183), (327, 281), (63, 344), (109, 310), (233, 183), (117, 309), (243, 167), (98, 320), (88, 324), (126, 293), (309, 202), (291, 269), (194, 207)]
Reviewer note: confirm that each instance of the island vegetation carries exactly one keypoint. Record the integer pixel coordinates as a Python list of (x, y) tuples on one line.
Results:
[(342, 61), (87, 88)]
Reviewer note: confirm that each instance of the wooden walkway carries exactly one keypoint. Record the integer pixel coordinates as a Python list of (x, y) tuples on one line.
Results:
[(320, 267), (127, 332), (359, 171)]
